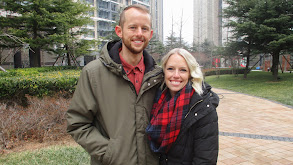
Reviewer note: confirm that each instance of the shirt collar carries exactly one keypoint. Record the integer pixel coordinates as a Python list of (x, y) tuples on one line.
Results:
[(128, 68)]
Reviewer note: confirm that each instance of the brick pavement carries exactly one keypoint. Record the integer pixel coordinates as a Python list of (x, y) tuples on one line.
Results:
[(254, 131)]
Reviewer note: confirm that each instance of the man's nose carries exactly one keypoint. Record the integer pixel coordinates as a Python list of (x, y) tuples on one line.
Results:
[(139, 31)]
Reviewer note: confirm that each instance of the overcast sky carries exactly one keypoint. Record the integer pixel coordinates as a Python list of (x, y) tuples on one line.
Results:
[(175, 7)]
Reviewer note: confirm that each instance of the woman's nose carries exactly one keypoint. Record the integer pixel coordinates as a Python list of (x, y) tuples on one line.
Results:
[(176, 73)]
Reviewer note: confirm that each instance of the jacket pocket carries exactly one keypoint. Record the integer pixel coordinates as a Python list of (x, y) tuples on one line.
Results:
[(108, 156)]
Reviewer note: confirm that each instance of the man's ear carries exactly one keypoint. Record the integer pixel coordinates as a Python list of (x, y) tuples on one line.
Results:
[(118, 31), (151, 35)]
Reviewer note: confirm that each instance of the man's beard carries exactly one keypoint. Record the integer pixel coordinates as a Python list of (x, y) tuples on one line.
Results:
[(132, 49)]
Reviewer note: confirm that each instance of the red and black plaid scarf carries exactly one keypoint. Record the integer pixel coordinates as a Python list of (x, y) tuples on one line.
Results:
[(167, 116)]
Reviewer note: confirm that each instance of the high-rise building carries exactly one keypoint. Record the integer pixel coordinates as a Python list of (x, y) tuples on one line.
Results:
[(107, 12), (157, 18), (226, 31), (207, 22)]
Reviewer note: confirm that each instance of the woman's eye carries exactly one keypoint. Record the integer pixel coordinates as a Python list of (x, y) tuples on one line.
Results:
[(169, 68)]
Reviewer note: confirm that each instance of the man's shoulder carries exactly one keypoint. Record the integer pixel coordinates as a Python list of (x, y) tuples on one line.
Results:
[(93, 65)]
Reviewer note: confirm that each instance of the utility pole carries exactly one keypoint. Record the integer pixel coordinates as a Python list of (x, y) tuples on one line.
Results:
[(172, 33), (180, 35)]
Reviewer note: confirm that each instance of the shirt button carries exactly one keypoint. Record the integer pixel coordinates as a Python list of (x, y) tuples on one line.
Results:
[(149, 84), (195, 114), (155, 80), (208, 105)]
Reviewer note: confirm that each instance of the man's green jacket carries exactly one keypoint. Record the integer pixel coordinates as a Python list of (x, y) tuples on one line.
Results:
[(107, 117)]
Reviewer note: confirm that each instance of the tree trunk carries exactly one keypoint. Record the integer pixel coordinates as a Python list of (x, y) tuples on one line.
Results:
[(68, 59), (17, 60), (68, 55), (233, 65), (275, 71), (247, 63), (35, 57)]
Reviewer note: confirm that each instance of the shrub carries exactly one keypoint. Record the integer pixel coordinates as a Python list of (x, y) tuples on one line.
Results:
[(35, 71), (16, 84), (221, 71), (43, 120), (43, 96)]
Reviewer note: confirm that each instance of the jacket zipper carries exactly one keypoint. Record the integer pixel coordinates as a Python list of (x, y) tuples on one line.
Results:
[(192, 107), (132, 86), (176, 141)]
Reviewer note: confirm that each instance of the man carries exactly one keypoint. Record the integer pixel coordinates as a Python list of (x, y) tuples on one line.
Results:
[(111, 106)]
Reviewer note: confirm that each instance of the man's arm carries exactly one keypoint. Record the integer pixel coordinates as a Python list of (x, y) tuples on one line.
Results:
[(81, 116)]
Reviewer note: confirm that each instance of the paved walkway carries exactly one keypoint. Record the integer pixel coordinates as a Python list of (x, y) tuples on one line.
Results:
[(254, 131)]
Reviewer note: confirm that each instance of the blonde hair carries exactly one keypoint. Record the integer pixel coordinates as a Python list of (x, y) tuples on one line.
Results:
[(195, 71)]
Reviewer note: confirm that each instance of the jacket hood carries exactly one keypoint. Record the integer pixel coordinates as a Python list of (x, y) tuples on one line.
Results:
[(207, 89), (110, 58), (199, 104)]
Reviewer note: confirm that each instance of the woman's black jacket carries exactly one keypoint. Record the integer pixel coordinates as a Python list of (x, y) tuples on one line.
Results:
[(198, 140)]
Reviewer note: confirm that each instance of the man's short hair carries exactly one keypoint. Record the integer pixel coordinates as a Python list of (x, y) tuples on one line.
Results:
[(136, 6)]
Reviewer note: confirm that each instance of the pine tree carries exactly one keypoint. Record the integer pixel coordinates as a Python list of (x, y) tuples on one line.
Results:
[(43, 24), (263, 24)]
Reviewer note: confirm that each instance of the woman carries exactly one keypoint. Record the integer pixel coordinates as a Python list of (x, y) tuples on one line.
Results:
[(184, 122)]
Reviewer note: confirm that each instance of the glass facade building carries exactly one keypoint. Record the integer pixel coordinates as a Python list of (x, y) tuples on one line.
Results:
[(107, 13)]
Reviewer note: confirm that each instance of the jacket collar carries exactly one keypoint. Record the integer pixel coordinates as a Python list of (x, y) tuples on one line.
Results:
[(196, 106)]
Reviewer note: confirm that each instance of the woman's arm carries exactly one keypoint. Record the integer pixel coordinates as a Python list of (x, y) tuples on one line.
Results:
[(206, 134)]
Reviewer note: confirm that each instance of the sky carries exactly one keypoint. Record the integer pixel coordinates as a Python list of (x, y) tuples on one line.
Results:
[(175, 8)]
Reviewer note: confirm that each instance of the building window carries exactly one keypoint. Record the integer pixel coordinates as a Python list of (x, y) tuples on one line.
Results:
[(103, 5), (114, 17), (104, 33), (90, 34), (142, 1), (145, 1), (113, 7), (104, 25), (91, 24), (91, 13), (89, 2), (104, 14)]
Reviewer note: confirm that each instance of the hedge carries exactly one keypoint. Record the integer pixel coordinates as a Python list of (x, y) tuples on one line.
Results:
[(16, 84), (221, 71)]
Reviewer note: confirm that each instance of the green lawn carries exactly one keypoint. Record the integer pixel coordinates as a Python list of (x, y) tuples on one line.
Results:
[(259, 84), (55, 155)]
